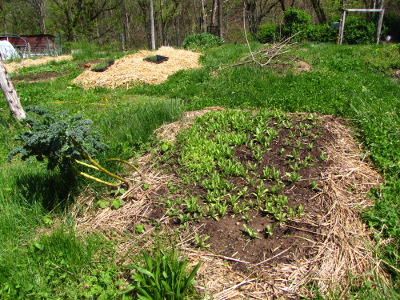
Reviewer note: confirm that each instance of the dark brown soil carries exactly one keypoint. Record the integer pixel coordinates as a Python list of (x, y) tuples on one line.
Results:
[(292, 239)]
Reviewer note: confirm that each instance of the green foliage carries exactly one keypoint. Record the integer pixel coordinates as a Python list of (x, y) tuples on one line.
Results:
[(268, 33), (163, 275), (296, 22), (391, 21), (296, 17), (358, 30), (59, 265), (321, 33), (58, 138), (201, 41)]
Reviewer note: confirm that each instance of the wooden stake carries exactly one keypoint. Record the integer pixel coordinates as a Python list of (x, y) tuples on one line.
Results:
[(10, 94)]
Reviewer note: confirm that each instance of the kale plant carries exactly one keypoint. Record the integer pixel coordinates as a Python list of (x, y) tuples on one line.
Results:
[(63, 141)]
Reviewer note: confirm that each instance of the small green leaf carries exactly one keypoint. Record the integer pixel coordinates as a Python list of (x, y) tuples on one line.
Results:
[(116, 203), (164, 147), (102, 203), (38, 245), (47, 220), (139, 228), (145, 186)]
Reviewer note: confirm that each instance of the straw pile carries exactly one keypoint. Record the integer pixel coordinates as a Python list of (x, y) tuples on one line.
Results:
[(132, 68), (14, 66), (342, 258)]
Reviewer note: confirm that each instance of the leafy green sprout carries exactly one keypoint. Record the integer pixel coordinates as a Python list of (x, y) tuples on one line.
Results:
[(250, 232), (269, 230), (201, 241)]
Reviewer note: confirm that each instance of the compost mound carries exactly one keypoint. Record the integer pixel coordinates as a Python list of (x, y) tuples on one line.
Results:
[(134, 68)]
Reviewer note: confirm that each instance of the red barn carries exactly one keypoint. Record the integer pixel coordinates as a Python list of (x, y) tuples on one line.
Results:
[(32, 45)]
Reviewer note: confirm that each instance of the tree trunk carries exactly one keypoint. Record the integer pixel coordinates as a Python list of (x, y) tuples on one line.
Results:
[(10, 94), (319, 11), (220, 18), (152, 31), (203, 16)]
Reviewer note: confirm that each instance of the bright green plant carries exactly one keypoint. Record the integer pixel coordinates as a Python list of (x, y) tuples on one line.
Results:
[(163, 276)]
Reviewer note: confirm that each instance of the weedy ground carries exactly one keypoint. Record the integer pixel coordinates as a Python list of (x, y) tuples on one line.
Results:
[(44, 256)]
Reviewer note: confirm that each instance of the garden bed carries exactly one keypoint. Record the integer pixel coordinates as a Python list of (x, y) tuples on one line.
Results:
[(278, 222), (133, 68)]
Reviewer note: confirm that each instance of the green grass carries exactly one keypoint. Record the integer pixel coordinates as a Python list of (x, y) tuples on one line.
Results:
[(347, 81)]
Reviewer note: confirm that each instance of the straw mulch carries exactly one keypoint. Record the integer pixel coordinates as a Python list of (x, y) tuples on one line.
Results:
[(14, 66), (343, 258), (132, 68)]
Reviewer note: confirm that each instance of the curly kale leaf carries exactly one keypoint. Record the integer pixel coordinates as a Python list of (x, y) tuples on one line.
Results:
[(56, 136)]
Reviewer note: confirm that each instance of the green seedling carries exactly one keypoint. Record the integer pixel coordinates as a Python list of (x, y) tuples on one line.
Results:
[(295, 167), (314, 186), (271, 173), (323, 156), (246, 217), (201, 242), (293, 177), (300, 210), (274, 189), (117, 203), (269, 230), (139, 229), (250, 232), (103, 203)]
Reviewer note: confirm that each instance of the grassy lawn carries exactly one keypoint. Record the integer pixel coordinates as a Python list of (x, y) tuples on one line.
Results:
[(42, 256)]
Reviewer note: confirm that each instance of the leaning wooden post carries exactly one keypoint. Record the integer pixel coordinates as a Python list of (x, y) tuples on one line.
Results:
[(10, 93), (380, 21), (341, 27)]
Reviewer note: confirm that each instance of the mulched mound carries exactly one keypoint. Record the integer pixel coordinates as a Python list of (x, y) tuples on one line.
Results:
[(328, 248), (133, 68)]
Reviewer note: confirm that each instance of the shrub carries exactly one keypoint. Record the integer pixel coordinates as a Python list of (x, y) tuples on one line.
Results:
[(296, 21), (268, 33), (357, 30), (201, 41), (322, 33)]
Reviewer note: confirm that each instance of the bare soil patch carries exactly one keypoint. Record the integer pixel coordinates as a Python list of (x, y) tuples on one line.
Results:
[(324, 247), (43, 76), (133, 68), (14, 66)]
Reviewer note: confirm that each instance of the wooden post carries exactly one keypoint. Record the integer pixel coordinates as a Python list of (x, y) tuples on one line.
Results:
[(379, 29), (341, 27), (10, 94)]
